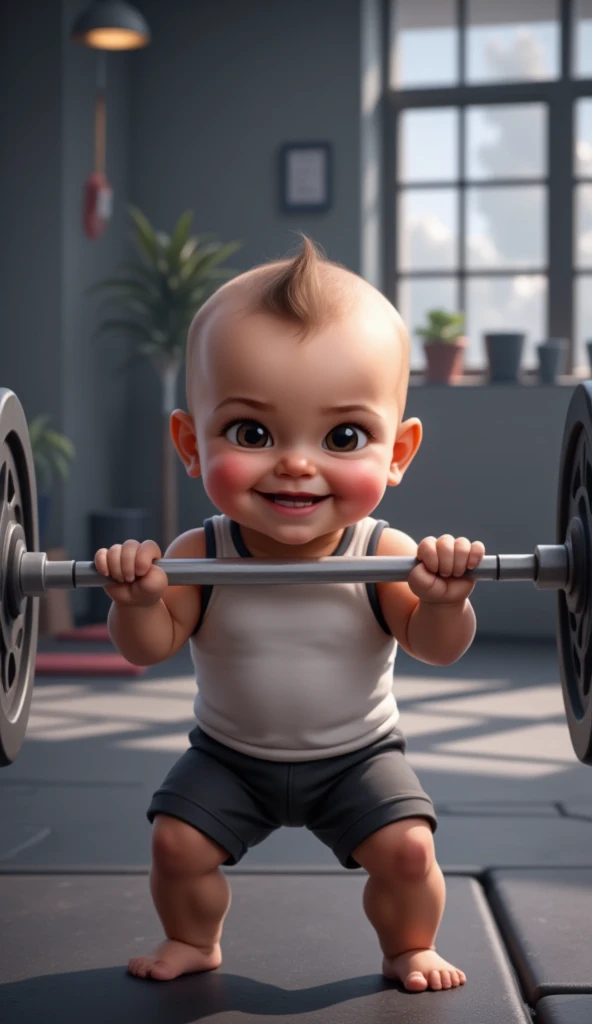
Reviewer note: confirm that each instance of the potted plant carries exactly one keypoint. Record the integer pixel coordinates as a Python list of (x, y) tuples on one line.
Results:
[(504, 355), (444, 346), (52, 453), (158, 297), (551, 354)]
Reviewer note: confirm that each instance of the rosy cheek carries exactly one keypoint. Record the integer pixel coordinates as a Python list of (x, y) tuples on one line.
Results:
[(229, 474), (359, 482)]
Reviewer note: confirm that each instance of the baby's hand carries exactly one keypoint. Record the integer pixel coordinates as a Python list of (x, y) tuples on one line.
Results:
[(139, 581), (433, 580)]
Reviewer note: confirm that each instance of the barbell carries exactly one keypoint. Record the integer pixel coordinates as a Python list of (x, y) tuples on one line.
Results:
[(26, 573)]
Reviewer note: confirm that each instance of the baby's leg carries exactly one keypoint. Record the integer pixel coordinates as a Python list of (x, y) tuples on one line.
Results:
[(404, 901), (192, 898)]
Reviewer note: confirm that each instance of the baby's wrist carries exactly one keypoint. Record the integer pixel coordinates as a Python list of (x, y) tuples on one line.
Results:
[(443, 607)]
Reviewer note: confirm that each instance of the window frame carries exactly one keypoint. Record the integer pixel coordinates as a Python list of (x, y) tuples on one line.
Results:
[(559, 96)]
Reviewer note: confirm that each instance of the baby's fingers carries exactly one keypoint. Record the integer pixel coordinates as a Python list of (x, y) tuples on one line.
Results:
[(129, 550), (476, 554), (147, 553), (427, 552), (462, 553), (101, 561)]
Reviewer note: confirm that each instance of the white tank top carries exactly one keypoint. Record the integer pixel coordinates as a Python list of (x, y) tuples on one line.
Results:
[(293, 672)]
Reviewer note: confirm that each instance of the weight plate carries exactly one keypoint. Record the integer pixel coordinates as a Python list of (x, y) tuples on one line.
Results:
[(18, 616), (574, 527)]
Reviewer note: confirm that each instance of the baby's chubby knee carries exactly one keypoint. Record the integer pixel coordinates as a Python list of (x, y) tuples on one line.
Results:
[(413, 854), (181, 849), (403, 849)]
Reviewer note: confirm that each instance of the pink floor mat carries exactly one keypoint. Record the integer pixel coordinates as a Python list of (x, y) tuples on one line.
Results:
[(97, 632), (58, 663)]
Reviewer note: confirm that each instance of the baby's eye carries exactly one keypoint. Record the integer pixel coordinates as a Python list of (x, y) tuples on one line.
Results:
[(346, 438), (248, 434)]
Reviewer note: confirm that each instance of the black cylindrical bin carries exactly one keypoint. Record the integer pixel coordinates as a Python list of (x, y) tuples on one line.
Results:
[(107, 527)]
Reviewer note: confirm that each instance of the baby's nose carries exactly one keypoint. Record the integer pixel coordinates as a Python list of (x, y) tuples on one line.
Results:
[(296, 464)]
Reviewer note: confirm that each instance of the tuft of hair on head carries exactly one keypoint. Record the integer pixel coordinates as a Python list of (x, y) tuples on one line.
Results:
[(302, 288)]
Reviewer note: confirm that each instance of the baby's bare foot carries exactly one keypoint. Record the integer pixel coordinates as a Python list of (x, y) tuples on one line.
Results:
[(419, 969), (173, 958)]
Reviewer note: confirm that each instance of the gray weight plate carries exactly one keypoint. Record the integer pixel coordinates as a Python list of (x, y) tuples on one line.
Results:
[(574, 526), (18, 617)]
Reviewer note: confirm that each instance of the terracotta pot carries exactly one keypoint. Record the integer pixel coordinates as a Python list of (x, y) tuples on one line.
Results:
[(444, 361)]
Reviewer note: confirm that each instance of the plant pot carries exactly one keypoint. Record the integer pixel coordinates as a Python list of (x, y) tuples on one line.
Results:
[(551, 355), (589, 347), (43, 512), (444, 360), (504, 353)]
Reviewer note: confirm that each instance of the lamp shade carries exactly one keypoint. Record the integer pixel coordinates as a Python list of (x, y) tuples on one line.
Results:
[(111, 25)]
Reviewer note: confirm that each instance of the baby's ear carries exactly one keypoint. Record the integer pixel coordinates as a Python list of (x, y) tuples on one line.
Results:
[(407, 442), (185, 441)]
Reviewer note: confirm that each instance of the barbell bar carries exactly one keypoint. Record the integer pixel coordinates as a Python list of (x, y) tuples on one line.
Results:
[(548, 568), (26, 573)]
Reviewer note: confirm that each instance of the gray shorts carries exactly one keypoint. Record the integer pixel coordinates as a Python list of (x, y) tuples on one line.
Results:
[(238, 800)]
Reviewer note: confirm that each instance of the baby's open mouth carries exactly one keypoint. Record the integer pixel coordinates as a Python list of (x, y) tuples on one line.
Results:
[(294, 501)]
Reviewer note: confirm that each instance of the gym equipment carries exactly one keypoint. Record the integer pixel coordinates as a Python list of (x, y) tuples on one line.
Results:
[(26, 573)]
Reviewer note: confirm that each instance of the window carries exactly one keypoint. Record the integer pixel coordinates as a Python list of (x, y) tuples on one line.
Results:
[(490, 140), (583, 228)]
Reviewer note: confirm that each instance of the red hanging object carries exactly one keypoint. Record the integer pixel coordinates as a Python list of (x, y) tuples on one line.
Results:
[(98, 194)]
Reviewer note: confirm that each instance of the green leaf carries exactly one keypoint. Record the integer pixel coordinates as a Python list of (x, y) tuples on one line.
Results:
[(62, 465), (61, 443), (127, 286), (157, 298), (37, 428), (145, 235), (442, 326), (179, 239), (109, 326)]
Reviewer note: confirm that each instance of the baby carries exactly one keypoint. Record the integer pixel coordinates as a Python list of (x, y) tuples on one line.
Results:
[(297, 376)]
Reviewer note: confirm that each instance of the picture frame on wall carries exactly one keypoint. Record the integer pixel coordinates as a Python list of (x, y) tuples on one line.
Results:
[(306, 177)]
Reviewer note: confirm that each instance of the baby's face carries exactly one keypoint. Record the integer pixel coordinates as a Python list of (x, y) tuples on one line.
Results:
[(296, 438)]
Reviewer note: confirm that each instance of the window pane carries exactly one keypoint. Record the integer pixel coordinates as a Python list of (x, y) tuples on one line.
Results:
[(583, 211), (583, 158), (415, 298), (583, 323), (506, 227), (428, 229), (505, 304), (424, 45), (423, 133), (507, 141), (512, 40), (582, 39)]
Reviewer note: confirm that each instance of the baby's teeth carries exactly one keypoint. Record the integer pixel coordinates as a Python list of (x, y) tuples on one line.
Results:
[(292, 504)]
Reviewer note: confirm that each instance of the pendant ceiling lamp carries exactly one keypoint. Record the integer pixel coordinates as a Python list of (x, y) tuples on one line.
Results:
[(107, 25), (111, 25)]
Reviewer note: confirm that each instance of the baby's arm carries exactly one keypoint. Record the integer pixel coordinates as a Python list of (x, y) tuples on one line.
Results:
[(149, 620), (437, 630)]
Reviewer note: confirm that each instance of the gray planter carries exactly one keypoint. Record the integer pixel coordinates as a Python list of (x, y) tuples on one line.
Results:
[(589, 347), (551, 355), (504, 352)]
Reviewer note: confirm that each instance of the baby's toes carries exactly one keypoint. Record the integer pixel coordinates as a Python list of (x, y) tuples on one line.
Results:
[(446, 979), (435, 980), (139, 966)]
